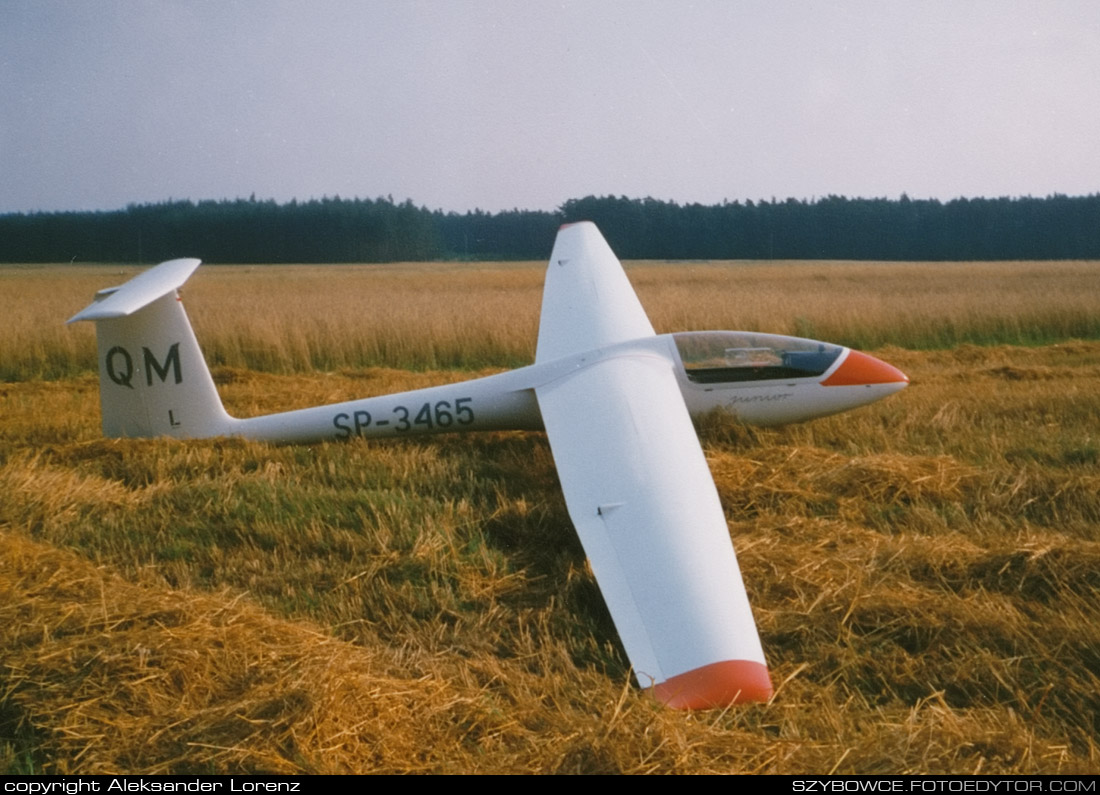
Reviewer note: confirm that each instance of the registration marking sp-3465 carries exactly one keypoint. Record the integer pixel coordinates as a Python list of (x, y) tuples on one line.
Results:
[(430, 417)]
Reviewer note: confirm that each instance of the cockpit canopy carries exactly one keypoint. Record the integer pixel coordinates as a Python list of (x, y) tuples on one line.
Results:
[(714, 357)]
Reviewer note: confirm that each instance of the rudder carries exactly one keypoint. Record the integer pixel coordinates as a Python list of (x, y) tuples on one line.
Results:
[(153, 380)]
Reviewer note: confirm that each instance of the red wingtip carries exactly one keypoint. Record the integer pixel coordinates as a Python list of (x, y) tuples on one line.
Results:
[(716, 685), (860, 369)]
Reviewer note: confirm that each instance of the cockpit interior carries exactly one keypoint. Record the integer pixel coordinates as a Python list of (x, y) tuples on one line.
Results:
[(717, 357)]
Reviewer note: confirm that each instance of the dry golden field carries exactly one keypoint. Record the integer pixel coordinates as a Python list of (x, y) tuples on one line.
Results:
[(925, 571), (289, 318)]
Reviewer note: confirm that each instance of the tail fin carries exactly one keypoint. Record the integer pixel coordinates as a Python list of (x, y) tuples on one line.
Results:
[(153, 380)]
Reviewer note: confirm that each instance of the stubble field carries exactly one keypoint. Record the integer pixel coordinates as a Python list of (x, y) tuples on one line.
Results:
[(925, 572)]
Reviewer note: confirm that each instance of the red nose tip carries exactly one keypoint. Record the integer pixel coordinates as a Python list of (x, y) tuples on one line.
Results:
[(859, 369)]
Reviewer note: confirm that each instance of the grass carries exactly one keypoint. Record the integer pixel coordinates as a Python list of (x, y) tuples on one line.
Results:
[(299, 319), (924, 573)]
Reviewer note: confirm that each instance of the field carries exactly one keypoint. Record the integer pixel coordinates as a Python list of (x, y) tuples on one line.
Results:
[(925, 572)]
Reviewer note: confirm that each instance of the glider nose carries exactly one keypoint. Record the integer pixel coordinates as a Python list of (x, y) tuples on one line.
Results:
[(859, 369)]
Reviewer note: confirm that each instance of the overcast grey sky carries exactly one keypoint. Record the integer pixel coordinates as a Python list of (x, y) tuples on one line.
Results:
[(504, 104)]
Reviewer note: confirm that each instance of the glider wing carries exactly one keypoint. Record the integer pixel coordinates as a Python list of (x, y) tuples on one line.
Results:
[(640, 494), (587, 301)]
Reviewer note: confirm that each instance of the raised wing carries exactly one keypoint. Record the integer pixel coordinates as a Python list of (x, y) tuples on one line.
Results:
[(587, 301), (644, 504)]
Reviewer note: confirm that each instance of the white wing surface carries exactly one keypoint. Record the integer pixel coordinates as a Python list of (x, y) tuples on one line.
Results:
[(641, 496), (587, 301), (140, 291)]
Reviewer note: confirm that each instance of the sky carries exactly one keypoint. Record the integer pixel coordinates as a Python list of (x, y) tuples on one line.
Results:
[(501, 104)]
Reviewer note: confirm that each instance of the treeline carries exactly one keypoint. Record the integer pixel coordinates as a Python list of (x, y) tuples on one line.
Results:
[(328, 230), (381, 230)]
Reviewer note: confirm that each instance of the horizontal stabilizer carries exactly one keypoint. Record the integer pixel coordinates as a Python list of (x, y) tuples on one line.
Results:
[(142, 290)]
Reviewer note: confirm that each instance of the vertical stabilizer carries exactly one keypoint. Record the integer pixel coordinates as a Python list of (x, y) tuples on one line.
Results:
[(153, 380)]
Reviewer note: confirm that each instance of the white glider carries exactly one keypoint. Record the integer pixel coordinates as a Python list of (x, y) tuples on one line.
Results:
[(616, 401)]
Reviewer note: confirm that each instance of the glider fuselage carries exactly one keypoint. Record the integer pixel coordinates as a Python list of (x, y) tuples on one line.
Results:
[(616, 401), (761, 391)]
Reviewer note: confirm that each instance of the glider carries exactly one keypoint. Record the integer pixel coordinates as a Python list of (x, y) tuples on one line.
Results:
[(616, 401)]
